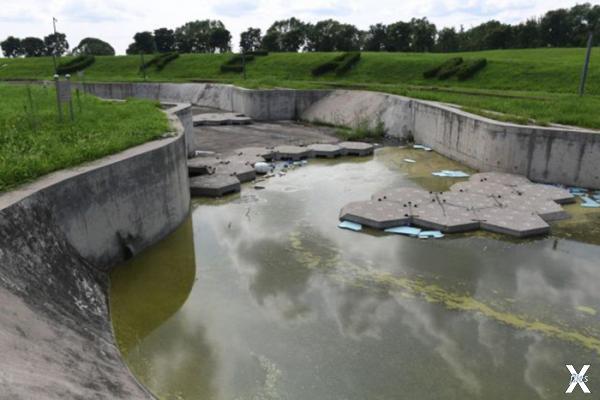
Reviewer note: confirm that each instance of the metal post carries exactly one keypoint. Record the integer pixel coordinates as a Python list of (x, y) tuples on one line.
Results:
[(56, 82), (244, 63), (55, 45), (143, 64), (68, 77), (586, 64)]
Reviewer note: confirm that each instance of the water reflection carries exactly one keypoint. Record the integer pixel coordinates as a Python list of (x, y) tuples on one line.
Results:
[(287, 306)]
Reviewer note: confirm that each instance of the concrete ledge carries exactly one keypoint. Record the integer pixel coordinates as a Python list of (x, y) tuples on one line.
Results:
[(58, 238), (550, 155)]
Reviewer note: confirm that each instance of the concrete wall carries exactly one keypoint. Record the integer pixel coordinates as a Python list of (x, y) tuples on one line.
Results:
[(552, 155), (58, 238)]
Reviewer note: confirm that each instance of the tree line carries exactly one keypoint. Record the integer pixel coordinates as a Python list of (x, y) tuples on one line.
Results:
[(53, 44), (556, 28)]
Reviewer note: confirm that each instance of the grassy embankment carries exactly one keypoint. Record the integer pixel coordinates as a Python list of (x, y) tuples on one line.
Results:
[(523, 85), (36, 143)]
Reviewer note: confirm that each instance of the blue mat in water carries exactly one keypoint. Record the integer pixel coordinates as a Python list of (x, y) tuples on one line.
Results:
[(450, 174), (589, 203), (431, 235), (404, 230), (353, 226)]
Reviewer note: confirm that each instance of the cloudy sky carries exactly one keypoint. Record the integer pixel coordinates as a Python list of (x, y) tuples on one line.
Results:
[(116, 21)]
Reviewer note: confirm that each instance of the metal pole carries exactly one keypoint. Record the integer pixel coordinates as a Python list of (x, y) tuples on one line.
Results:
[(55, 44), (68, 77), (244, 63), (143, 64), (60, 116), (586, 64)]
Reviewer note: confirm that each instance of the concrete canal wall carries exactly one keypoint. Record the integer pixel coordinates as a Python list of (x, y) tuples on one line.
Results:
[(543, 154), (59, 236)]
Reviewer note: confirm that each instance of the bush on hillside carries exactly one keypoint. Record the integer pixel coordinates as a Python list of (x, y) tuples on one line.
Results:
[(340, 64), (470, 68), (160, 61), (232, 68), (347, 63), (77, 64), (446, 66)]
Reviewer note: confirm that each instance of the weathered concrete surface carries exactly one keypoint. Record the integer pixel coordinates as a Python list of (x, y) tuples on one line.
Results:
[(543, 154), (496, 202), (58, 238)]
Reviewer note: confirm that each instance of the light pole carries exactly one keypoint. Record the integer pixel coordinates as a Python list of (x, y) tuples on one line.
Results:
[(586, 63), (54, 21)]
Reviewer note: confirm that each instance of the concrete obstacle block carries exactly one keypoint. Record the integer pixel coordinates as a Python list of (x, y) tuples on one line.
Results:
[(445, 218), (546, 192), (501, 178), (356, 148), (220, 119), (215, 185), (202, 165), (404, 195), (242, 170), (501, 203), (255, 154), (293, 153), (376, 214), (325, 150), (513, 222)]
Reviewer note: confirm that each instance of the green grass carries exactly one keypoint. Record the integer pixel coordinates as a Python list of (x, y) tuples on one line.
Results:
[(34, 144), (531, 84)]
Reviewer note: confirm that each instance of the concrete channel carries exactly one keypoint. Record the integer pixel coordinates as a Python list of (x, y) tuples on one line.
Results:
[(61, 234)]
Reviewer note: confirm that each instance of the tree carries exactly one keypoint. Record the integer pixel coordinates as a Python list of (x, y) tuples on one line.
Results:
[(219, 39), (398, 37), (198, 37), (330, 35), (527, 34), (375, 38), (423, 34), (143, 42), (556, 27), (447, 40), (56, 44), (250, 40), (164, 39), (285, 35), (33, 47), (94, 46), (11, 47)]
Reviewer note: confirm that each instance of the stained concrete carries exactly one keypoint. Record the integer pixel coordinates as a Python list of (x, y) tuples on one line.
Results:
[(58, 237), (502, 203), (543, 154)]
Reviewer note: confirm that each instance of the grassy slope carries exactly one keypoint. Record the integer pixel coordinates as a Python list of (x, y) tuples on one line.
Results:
[(102, 128), (538, 84)]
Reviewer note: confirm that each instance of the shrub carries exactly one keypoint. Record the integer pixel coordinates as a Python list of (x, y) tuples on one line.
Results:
[(470, 68), (77, 64), (445, 67), (232, 68), (347, 63), (340, 64), (160, 61)]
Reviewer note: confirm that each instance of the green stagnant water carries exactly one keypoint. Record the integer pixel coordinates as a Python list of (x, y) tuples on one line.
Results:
[(261, 296)]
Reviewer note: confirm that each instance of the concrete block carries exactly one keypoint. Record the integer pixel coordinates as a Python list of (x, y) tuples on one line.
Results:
[(376, 214), (325, 150), (356, 148), (294, 153), (215, 185)]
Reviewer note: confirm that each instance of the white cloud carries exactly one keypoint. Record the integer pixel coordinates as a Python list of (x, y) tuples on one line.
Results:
[(117, 21)]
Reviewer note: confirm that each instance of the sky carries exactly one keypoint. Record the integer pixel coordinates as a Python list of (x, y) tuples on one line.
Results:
[(116, 21)]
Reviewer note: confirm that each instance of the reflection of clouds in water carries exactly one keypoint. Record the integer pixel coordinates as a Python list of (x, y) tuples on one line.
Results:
[(359, 314), (492, 339), (540, 360), (432, 330)]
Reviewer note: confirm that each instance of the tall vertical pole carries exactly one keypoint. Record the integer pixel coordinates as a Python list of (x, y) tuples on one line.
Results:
[(57, 84), (55, 45), (143, 64), (244, 63), (586, 64)]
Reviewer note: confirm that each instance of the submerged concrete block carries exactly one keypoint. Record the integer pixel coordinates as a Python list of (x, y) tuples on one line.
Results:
[(220, 119), (376, 214), (325, 150), (215, 185), (356, 148), (242, 170), (294, 153)]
